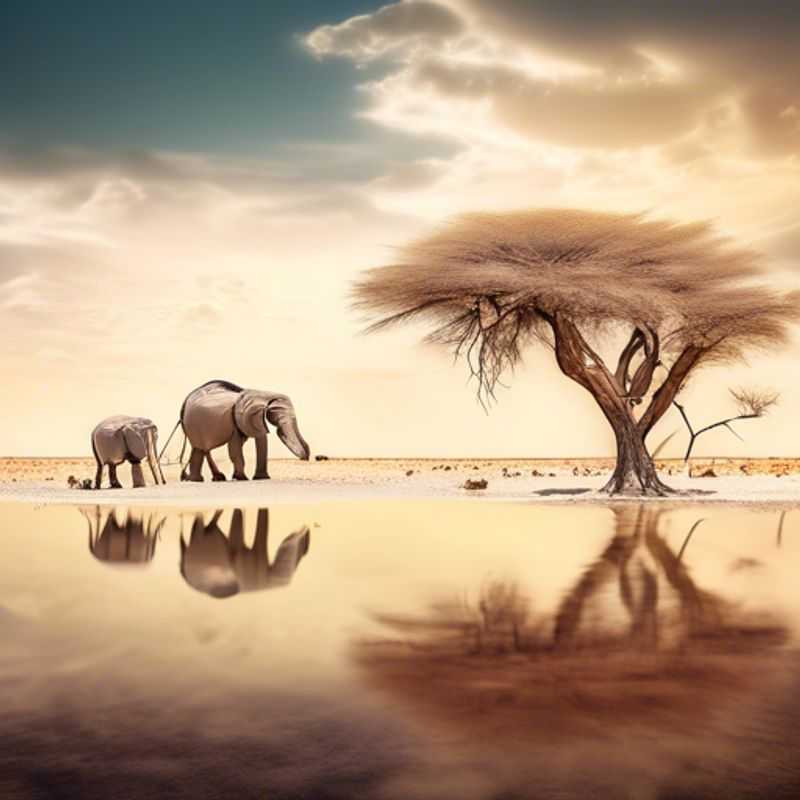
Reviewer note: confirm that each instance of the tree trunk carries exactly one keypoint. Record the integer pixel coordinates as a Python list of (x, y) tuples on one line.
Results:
[(635, 472)]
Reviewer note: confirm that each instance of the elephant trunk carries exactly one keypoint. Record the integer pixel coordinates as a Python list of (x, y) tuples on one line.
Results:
[(290, 435)]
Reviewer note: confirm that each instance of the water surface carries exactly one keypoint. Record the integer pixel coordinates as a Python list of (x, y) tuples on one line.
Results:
[(399, 650)]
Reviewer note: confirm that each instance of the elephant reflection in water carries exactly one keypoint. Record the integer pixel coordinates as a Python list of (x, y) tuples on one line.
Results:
[(128, 538), (222, 565)]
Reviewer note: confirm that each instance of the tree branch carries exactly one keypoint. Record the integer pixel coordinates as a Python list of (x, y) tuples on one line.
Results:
[(643, 377), (668, 390), (634, 344), (688, 538), (693, 434), (685, 418)]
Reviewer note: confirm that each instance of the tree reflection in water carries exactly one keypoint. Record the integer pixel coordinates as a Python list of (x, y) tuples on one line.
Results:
[(670, 655), (123, 538)]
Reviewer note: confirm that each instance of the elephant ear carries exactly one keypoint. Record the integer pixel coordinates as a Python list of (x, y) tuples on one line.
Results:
[(248, 413), (135, 442)]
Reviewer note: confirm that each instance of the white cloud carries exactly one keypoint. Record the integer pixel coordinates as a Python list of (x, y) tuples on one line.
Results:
[(559, 103), (141, 278), (24, 292), (599, 77), (388, 30)]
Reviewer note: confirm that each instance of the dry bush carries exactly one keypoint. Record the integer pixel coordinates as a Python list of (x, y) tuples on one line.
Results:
[(754, 402)]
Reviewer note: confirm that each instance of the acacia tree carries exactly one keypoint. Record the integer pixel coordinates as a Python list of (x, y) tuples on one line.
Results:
[(674, 297)]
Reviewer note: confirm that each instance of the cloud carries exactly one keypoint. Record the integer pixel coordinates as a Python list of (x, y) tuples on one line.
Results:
[(585, 112), (22, 293), (688, 110), (607, 75), (158, 271), (388, 30)]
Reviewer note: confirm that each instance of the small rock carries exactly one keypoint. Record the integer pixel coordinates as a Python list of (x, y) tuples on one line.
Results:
[(72, 482), (709, 473), (475, 484), (536, 474), (409, 472), (448, 468), (320, 458)]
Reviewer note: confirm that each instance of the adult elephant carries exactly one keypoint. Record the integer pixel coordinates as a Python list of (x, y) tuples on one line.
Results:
[(220, 412), (221, 565), (123, 438)]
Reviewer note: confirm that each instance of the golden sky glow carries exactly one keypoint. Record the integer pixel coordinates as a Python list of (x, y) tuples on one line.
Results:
[(128, 279)]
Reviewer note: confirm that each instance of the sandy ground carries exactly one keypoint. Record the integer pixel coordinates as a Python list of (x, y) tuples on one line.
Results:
[(755, 481)]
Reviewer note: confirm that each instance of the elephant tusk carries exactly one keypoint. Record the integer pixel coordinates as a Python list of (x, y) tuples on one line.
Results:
[(151, 455), (158, 462)]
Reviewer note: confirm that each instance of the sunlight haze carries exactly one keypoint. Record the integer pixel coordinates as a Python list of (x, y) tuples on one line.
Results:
[(191, 198)]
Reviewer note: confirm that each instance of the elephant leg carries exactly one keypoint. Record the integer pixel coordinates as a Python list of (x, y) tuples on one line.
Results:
[(237, 456), (137, 475), (216, 472), (261, 473), (112, 476), (98, 476), (236, 536), (261, 542), (196, 465)]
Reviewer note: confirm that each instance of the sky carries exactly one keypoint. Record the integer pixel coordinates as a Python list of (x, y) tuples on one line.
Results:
[(188, 190)]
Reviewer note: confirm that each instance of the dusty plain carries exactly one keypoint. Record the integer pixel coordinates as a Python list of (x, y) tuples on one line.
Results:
[(759, 481)]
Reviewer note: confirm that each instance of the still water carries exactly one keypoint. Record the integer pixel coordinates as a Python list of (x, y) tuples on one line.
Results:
[(399, 650)]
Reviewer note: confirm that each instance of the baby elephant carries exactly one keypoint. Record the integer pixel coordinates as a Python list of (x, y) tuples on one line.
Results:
[(122, 438)]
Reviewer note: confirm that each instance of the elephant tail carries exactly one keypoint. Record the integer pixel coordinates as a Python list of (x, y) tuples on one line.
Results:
[(169, 439)]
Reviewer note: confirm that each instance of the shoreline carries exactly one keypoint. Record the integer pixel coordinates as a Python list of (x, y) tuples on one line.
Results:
[(753, 491)]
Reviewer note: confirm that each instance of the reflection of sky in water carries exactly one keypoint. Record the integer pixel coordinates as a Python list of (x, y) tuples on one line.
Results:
[(339, 656)]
